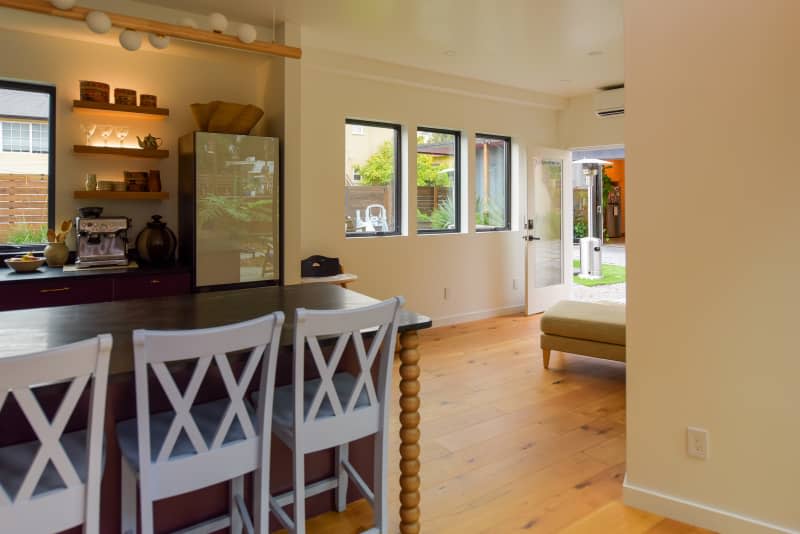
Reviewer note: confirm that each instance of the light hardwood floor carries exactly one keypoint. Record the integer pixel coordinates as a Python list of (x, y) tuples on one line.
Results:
[(508, 446)]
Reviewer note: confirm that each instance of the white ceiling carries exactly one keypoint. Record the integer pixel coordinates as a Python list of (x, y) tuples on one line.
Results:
[(561, 47)]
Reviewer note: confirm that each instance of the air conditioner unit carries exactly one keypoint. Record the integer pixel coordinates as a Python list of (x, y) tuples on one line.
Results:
[(609, 103)]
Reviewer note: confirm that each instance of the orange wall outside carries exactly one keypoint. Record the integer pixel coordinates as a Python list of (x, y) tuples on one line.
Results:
[(616, 171)]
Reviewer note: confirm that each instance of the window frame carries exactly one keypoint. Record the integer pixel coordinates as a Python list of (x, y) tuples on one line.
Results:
[(507, 140), (50, 90), (457, 185), (398, 177)]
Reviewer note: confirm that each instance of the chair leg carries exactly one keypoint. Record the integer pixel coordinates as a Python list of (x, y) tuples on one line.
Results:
[(299, 491), (546, 358), (342, 454), (146, 507), (381, 482), (236, 488), (128, 494), (261, 505)]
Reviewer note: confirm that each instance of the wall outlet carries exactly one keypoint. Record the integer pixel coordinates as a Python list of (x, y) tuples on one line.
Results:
[(514, 284), (697, 442), (445, 293)]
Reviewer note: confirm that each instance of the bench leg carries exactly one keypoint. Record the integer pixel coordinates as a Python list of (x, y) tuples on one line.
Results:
[(546, 358)]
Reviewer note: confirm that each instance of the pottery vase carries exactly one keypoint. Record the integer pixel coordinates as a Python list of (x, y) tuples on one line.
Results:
[(56, 254)]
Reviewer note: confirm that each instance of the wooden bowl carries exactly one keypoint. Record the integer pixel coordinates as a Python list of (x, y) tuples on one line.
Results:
[(22, 266), (94, 91), (226, 117), (202, 114)]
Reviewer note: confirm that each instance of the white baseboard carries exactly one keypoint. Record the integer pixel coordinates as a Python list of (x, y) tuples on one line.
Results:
[(477, 316), (695, 513)]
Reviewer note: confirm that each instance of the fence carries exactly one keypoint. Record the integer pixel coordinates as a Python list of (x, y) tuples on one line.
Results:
[(23, 202), (358, 197)]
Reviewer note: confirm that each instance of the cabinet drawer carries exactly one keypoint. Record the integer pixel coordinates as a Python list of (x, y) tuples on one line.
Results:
[(57, 292), (161, 285)]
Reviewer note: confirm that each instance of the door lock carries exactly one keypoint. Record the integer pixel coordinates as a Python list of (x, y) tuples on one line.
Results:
[(529, 231)]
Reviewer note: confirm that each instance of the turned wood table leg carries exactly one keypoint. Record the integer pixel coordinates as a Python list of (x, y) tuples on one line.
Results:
[(409, 433)]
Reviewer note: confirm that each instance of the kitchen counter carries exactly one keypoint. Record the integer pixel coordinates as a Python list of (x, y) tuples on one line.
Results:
[(10, 276)]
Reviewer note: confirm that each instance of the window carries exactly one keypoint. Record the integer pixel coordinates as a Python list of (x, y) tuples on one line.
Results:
[(27, 131), (438, 181), (492, 182), (372, 181)]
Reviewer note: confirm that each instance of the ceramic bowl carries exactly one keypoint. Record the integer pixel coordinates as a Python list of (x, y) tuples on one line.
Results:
[(22, 266)]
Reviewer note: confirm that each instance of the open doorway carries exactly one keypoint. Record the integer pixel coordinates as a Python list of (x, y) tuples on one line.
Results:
[(599, 266)]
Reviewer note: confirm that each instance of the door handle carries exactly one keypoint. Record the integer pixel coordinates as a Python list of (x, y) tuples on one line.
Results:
[(54, 290), (531, 238)]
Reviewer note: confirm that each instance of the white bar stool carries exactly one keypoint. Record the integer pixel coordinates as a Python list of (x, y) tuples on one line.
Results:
[(338, 407), (193, 446), (35, 496)]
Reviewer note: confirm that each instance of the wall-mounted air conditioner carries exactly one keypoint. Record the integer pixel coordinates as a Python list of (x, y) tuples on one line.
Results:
[(609, 103)]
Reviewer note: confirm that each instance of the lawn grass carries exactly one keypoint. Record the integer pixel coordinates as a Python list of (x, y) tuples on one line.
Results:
[(612, 274)]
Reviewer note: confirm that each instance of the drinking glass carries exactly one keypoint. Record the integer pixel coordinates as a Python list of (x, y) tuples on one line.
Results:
[(105, 133), (88, 131), (122, 133)]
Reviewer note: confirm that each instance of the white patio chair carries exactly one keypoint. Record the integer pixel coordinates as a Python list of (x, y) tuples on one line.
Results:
[(376, 215), (195, 445), (53, 484), (338, 407)]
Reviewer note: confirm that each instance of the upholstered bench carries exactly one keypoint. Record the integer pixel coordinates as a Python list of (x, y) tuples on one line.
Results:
[(586, 328)]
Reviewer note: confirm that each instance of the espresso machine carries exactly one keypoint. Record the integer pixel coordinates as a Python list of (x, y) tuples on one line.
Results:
[(102, 241)]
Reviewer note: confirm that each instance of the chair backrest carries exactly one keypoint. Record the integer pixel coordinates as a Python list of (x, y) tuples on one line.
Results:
[(376, 214), (364, 408), (75, 501), (154, 350)]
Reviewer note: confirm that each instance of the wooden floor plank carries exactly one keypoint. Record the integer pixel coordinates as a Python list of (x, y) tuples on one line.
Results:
[(508, 446)]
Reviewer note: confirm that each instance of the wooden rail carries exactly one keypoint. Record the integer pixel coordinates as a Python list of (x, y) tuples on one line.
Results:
[(159, 28)]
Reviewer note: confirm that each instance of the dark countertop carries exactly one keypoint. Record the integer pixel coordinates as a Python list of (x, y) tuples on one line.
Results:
[(26, 331), (10, 276)]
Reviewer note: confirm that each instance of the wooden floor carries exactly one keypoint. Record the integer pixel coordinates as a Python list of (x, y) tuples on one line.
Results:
[(510, 447)]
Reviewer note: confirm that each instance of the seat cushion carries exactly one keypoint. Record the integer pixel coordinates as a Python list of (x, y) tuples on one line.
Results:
[(586, 320), (207, 416), (15, 460), (283, 405)]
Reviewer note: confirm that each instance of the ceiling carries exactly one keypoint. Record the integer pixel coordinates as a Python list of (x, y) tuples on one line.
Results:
[(561, 47)]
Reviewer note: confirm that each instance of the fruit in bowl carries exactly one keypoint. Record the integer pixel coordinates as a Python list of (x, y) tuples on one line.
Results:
[(26, 263)]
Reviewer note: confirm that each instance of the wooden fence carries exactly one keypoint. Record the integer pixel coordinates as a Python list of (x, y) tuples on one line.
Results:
[(23, 201), (358, 197)]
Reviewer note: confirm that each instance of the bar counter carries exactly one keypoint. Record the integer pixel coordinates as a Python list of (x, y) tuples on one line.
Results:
[(32, 330)]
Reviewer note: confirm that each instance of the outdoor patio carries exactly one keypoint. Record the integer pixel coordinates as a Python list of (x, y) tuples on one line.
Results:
[(611, 255)]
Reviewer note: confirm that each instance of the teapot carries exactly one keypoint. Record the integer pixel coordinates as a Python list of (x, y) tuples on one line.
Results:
[(149, 142)]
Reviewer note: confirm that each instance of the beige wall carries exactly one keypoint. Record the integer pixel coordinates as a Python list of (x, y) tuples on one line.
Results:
[(477, 269), (178, 76), (712, 270), (578, 126)]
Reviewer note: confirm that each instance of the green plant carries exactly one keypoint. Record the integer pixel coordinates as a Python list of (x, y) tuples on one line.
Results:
[(225, 210), (489, 214), (580, 229), (444, 216), (27, 234), (379, 168)]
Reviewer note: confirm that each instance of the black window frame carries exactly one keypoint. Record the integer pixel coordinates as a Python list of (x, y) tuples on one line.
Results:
[(398, 185), (457, 166), (507, 140), (9, 250)]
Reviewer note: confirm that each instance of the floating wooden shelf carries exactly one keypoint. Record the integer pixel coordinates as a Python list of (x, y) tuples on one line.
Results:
[(119, 110), (118, 151), (122, 195)]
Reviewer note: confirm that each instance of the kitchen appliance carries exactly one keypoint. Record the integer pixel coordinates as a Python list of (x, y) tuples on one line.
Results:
[(228, 210), (102, 241)]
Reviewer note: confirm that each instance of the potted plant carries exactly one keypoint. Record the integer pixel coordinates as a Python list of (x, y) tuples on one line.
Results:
[(56, 252)]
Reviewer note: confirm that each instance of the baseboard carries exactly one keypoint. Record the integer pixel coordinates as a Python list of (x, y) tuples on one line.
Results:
[(695, 513), (477, 316)]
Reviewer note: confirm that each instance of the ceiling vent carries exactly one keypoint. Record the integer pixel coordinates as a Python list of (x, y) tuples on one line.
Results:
[(609, 103)]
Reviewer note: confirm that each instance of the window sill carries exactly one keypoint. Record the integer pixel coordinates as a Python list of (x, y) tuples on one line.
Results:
[(362, 235)]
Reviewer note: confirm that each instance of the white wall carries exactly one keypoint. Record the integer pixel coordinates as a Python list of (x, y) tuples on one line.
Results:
[(712, 270), (578, 126), (477, 269)]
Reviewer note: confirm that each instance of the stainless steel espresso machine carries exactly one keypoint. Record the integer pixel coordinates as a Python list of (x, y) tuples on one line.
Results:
[(102, 241)]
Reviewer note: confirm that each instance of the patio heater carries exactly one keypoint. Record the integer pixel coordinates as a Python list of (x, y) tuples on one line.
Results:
[(590, 246)]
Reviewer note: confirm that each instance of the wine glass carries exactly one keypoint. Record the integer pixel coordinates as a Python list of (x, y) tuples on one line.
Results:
[(122, 133), (88, 131), (105, 132)]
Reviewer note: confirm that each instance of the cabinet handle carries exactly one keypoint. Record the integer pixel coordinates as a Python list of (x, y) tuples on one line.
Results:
[(155, 281), (54, 290)]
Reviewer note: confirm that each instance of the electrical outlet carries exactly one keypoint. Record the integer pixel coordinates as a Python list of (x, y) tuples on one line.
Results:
[(445, 293), (514, 283), (697, 442)]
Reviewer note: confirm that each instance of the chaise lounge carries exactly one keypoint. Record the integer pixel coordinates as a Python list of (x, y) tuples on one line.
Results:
[(585, 328)]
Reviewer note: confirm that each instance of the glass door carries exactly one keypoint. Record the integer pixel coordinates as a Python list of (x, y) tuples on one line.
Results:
[(548, 244)]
